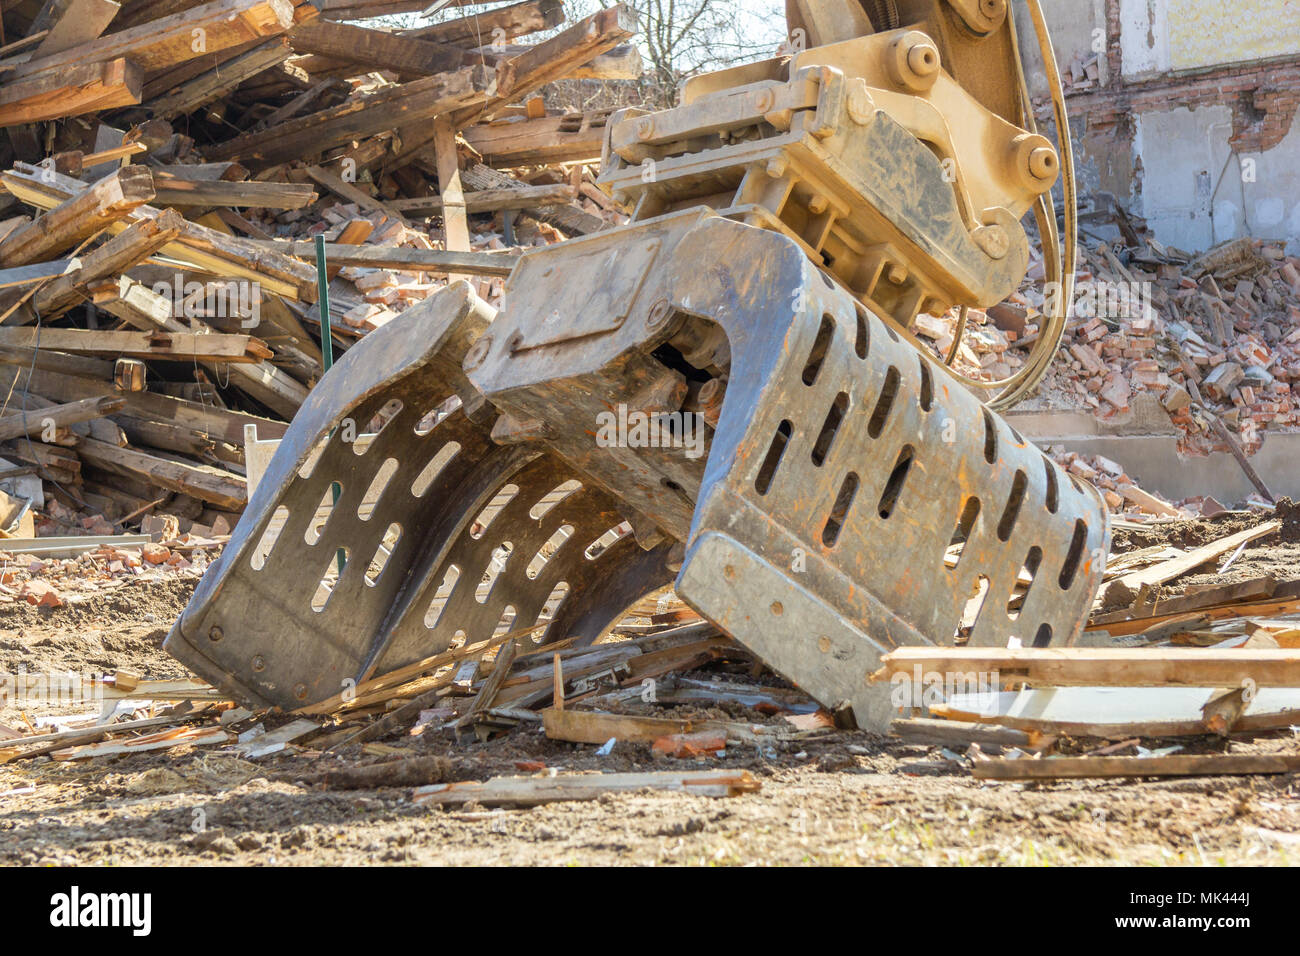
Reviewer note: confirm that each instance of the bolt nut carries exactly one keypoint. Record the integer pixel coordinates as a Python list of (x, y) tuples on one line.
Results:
[(764, 100), (300, 691), (258, 663), (1042, 164), (215, 633), (1034, 162), (914, 62), (645, 128), (776, 168)]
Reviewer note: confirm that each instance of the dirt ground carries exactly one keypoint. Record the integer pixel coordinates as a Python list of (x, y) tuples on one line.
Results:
[(846, 798)]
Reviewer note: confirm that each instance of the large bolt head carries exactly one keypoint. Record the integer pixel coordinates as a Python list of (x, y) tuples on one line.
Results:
[(1034, 162), (913, 62)]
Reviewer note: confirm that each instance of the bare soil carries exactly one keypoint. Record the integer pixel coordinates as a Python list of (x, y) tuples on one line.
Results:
[(849, 798)]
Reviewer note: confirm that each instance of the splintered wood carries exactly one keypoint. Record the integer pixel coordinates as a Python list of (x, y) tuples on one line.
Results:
[(165, 168)]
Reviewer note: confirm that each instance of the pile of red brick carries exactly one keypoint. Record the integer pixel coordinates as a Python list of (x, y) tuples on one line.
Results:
[(1232, 313)]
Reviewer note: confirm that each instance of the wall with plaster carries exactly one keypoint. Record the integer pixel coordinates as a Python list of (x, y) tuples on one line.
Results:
[(1193, 125)]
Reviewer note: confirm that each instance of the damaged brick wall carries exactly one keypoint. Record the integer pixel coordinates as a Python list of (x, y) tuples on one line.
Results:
[(1181, 175)]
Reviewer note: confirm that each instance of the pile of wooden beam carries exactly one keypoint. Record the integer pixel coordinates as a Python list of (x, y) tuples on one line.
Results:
[(165, 167)]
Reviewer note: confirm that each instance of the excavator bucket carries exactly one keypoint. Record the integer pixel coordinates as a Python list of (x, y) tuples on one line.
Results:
[(723, 395)]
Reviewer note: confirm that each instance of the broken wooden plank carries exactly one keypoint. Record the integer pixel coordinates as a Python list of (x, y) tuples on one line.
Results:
[(80, 88), (534, 791), (960, 733), (1100, 667), (222, 489), (78, 23), (492, 200), (1174, 765), (219, 81), (206, 250), (377, 49), (42, 744), (124, 251), (165, 740), (1253, 600), (170, 40), (571, 138), (360, 116), (36, 273), (35, 421), (596, 727), (173, 346), (555, 58), (73, 218), (516, 20), (1176, 567), (172, 191), (1117, 713), (406, 772), (399, 259)]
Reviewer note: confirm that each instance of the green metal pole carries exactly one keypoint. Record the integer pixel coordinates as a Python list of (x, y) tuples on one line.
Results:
[(327, 349), (323, 297)]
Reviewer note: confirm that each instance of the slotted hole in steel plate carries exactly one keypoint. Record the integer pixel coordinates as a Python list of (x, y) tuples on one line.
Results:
[(884, 404), (775, 452), (425, 479), (338, 563), (862, 341), (970, 512), (551, 607), (990, 438), (552, 498), (1024, 582), (821, 345), (548, 550), (1043, 638), (1015, 501), (1074, 557), (974, 608), (370, 500), (897, 479), (382, 553), (437, 415), (506, 624), (606, 541), (270, 535), (493, 508), (1053, 487), (496, 564), (375, 427), (324, 511), (830, 428), (927, 385), (840, 510), (441, 597)]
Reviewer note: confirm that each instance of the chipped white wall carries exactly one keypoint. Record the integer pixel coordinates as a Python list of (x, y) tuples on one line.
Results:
[(1157, 36), (1195, 193)]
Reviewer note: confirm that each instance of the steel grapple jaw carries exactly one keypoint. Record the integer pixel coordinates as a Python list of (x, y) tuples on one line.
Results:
[(688, 400)]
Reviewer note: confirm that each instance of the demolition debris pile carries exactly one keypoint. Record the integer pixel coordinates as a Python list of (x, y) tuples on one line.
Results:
[(157, 210), (1215, 336)]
